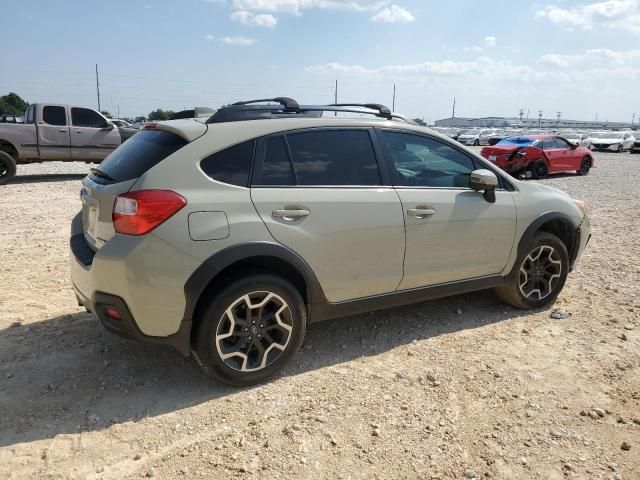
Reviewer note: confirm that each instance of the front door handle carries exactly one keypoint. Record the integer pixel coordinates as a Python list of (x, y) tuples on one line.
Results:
[(78, 131), (290, 214), (420, 212), (63, 130)]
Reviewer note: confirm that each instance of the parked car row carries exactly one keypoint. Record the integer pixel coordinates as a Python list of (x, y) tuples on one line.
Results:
[(615, 141)]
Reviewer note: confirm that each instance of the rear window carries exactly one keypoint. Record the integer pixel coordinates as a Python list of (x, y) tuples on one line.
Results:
[(54, 116), (141, 152)]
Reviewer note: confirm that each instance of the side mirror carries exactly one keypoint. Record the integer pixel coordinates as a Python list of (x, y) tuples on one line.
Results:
[(575, 145), (108, 126), (485, 181)]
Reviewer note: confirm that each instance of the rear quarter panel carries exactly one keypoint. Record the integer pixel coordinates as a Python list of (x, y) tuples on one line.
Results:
[(22, 137)]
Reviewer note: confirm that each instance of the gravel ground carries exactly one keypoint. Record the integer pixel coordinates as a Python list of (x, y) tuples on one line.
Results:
[(464, 387)]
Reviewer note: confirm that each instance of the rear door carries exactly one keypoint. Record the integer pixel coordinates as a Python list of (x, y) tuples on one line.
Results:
[(91, 137), (321, 193), (53, 133), (452, 232)]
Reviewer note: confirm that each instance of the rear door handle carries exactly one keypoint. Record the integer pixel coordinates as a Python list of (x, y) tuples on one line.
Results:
[(78, 131), (420, 212), (291, 214)]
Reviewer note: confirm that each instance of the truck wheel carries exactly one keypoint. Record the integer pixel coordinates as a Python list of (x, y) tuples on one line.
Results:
[(538, 276), (7, 167), (250, 330)]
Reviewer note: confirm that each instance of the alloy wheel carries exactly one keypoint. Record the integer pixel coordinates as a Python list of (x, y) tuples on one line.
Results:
[(540, 273), (254, 331)]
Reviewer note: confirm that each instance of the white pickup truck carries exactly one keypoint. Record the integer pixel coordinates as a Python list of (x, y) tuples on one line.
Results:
[(55, 132)]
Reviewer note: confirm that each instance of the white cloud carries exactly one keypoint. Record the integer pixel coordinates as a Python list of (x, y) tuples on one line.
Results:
[(295, 7), (597, 57), (475, 48), (238, 41), (393, 14), (261, 20), (619, 14), (210, 37), (489, 41)]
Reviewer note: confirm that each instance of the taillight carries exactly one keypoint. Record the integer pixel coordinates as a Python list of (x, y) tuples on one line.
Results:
[(137, 213)]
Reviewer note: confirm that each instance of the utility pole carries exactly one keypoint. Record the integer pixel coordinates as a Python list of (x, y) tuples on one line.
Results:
[(335, 97), (633, 119), (539, 118), (521, 114), (118, 111), (453, 112), (558, 114), (393, 105), (98, 87)]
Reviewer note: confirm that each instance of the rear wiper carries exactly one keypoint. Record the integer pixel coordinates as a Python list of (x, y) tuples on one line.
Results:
[(100, 173)]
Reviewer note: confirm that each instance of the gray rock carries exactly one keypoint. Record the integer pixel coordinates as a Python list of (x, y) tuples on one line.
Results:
[(556, 434), (468, 473), (184, 470), (151, 473), (628, 326), (560, 314), (599, 411), (593, 415)]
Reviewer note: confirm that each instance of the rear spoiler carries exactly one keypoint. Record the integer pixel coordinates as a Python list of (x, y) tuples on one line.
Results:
[(189, 129)]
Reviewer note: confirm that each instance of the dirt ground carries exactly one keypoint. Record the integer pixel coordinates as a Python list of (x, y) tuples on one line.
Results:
[(464, 387)]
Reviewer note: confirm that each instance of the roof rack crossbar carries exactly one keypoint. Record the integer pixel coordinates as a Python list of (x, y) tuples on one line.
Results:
[(286, 102)]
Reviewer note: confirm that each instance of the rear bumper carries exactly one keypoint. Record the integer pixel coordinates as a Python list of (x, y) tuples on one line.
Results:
[(142, 278)]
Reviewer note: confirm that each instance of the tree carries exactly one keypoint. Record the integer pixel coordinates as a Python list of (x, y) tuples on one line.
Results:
[(12, 104), (420, 121), (160, 114), (105, 113)]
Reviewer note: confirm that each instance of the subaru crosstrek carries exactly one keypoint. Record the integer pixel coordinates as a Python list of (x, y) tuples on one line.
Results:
[(225, 238)]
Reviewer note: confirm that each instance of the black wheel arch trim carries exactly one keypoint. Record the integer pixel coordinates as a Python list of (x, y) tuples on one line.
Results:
[(216, 263), (539, 221)]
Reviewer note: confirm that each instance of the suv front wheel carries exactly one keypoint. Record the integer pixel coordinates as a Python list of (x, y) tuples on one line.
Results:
[(538, 275), (250, 330)]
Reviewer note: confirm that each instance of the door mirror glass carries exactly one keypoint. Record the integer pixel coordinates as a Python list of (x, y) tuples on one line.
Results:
[(108, 126), (485, 181)]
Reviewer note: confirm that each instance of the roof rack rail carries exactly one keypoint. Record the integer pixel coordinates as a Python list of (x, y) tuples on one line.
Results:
[(289, 108), (286, 102), (383, 111)]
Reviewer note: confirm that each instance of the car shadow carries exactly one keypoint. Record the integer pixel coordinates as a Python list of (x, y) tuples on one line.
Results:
[(68, 375), (48, 177)]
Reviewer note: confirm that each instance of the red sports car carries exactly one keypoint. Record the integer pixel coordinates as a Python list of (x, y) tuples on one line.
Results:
[(536, 156)]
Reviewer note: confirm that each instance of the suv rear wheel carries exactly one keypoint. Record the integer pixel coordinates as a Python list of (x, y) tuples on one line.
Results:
[(538, 275), (250, 330)]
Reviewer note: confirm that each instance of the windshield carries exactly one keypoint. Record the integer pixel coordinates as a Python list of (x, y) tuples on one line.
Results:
[(606, 135), (516, 141)]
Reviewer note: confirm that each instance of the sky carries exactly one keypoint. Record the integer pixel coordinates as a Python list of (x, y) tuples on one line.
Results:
[(581, 58)]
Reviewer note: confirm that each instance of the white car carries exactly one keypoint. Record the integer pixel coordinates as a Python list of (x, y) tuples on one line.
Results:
[(579, 139), (477, 137), (612, 141)]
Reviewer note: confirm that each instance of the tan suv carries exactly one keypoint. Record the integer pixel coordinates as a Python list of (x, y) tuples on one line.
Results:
[(227, 237)]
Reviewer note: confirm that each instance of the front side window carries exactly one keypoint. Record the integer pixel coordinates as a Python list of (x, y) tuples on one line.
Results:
[(83, 117), (334, 157), (54, 115), (426, 162), (231, 165), (548, 144), (561, 143)]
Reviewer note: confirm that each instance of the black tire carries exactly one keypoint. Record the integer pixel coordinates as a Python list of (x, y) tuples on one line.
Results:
[(476, 143), (585, 166), (523, 296), (619, 150), (539, 169), (7, 167), (241, 339)]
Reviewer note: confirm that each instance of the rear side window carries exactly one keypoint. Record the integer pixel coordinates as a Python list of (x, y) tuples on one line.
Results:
[(54, 115), (141, 152), (83, 117), (276, 168), (334, 157), (231, 165)]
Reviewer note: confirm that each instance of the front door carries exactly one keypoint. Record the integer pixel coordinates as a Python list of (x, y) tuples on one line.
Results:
[(53, 133), (452, 232), (91, 138), (320, 193), (565, 157)]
